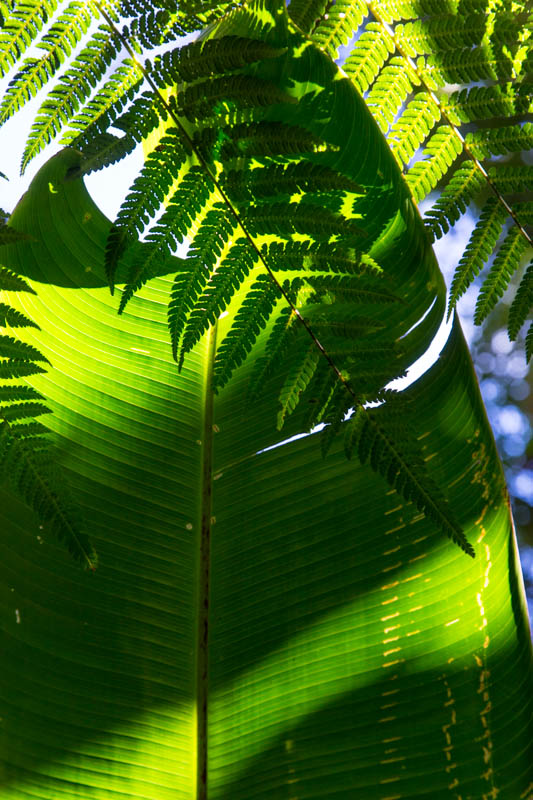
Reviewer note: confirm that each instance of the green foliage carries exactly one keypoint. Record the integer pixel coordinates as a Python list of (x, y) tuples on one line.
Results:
[(382, 436), (206, 58), (455, 199), (58, 42), (505, 264), (311, 270), (74, 87), (26, 458), (478, 250)]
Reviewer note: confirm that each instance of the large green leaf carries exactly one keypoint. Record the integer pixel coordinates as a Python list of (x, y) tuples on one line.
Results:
[(353, 651), (335, 643)]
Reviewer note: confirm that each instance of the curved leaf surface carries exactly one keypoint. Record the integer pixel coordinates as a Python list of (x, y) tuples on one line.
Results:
[(352, 650)]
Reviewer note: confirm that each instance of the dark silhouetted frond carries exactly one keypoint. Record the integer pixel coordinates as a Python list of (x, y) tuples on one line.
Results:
[(26, 459), (383, 437), (255, 310), (145, 197), (529, 343), (286, 219), (10, 317), (223, 284), (204, 59), (306, 13), (297, 381), (199, 100), (207, 246)]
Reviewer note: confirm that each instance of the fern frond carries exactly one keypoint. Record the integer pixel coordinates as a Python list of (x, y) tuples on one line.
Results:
[(183, 207), (251, 318), (147, 30), (27, 464), (286, 219), (464, 184), (59, 41), (529, 343), (444, 32), (118, 89), (9, 235), (466, 65), (524, 212), (336, 27), (278, 344), (442, 148), (198, 101), (351, 289), (504, 266), (25, 458), (397, 10), (145, 197), (485, 102), (223, 284), (315, 256), (410, 130), (479, 249), (20, 29), (341, 324), (104, 149), (206, 248), (15, 412), (488, 142), (340, 404), (12, 394), (15, 368), (512, 179), (321, 396), (394, 83), (265, 139), (286, 179), (75, 85), (20, 351), (11, 282), (15, 319), (297, 382), (306, 13), (205, 59), (522, 303), (383, 437), (163, 238), (368, 55)]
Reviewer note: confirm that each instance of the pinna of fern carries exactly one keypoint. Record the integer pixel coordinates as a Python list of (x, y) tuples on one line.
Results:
[(26, 457)]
